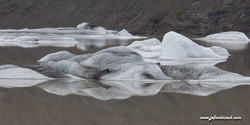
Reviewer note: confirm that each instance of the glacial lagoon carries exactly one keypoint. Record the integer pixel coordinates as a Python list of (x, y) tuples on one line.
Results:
[(89, 101)]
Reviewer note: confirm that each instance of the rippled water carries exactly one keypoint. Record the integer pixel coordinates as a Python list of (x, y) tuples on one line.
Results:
[(103, 102)]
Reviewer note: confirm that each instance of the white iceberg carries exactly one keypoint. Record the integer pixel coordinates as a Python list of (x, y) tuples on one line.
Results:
[(88, 26), (227, 36), (178, 47), (11, 83), (20, 73), (150, 48), (231, 40), (124, 32), (36, 41)]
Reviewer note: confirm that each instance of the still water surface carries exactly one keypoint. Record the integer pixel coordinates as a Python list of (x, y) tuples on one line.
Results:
[(90, 102)]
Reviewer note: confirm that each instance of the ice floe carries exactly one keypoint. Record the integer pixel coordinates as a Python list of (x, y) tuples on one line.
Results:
[(36, 41), (231, 40), (227, 36), (20, 73)]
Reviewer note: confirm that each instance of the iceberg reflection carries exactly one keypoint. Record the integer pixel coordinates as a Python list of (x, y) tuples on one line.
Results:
[(106, 90)]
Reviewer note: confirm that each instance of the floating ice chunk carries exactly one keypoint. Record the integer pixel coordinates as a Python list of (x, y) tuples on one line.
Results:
[(84, 25), (178, 47), (45, 41), (149, 48), (49, 72), (88, 26), (227, 36), (148, 45), (124, 32), (38, 40), (11, 83), (20, 73), (115, 63), (231, 40), (200, 72), (109, 57), (7, 66)]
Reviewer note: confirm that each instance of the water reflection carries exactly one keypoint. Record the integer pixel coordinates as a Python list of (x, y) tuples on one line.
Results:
[(106, 90), (103, 90), (90, 44)]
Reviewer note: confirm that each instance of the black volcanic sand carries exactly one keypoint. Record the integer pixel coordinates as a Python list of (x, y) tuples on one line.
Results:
[(34, 106)]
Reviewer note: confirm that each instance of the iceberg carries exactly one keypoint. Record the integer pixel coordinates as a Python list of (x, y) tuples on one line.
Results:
[(124, 32), (201, 71), (88, 26), (178, 47), (227, 36), (231, 40), (115, 63), (150, 48), (36, 41), (20, 73), (13, 83)]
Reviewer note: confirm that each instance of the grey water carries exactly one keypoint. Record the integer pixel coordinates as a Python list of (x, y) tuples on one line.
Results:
[(94, 102)]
